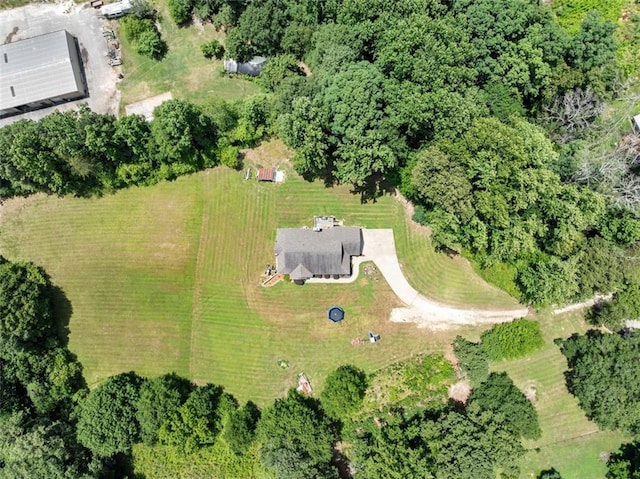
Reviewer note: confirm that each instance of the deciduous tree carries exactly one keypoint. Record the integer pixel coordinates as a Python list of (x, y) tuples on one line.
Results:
[(296, 438), (107, 421), (344, 391), (602, 374)]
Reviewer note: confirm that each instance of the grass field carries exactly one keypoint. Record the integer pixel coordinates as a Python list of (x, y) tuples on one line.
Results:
[(184, 71), (166, 278), (570, 442)]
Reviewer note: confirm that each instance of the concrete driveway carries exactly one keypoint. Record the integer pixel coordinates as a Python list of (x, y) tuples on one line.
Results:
[(82, 22), (380, 247)]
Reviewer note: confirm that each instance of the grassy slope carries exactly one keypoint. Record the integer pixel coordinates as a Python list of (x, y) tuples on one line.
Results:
[(570, 442), (184, 71), (167, 278)]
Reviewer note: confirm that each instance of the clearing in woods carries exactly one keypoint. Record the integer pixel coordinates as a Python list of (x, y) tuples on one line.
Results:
[(167, 278), (184, 71)]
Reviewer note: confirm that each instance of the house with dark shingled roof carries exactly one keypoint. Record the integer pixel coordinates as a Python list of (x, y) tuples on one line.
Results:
[(304, 253)]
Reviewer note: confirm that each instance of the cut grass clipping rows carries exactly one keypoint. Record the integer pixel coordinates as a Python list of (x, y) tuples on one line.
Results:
[(167, 278), (570, 442)]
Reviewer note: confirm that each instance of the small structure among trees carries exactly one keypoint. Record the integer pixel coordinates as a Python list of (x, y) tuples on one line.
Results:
[(252, 67)]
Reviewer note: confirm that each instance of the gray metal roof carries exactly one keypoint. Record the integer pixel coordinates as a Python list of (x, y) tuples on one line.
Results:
[(302, 253), (38, 68), (252, 67)]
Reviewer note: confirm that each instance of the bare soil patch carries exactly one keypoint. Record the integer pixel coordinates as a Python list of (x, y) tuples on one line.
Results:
[(460, 391)]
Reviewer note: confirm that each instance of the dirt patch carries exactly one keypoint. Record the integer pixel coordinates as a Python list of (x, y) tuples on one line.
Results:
[(460, 391), (531, 393), (305, 68), (148, 105), (268, 154)]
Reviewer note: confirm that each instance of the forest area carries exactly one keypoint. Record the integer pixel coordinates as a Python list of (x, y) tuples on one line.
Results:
[(487, 114)]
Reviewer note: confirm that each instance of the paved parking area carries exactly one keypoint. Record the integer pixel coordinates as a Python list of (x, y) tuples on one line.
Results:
[(86, 25)]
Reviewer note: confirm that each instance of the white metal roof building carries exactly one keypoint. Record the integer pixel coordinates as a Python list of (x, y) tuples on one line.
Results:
[(116, 9), (39, 72)]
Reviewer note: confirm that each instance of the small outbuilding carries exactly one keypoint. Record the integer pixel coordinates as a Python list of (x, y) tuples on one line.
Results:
[(266, 174), (252, 68)]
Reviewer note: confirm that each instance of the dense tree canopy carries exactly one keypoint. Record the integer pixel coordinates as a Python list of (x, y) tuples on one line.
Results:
[(472, 359), (468, 444), (240, 427), (344, 391), (499, 395), (25, 301), (296, 438), (625, 463), (160, 398), (198, 421), (602, 374), (107, 417)]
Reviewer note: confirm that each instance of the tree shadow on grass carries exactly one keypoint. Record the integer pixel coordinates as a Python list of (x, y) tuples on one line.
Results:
[(375, 187), (62, 311)]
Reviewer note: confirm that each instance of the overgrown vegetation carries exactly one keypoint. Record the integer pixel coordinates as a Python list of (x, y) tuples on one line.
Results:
[(601, 374), (212, 49), (144, 35), (512, 340), (472, 359), (412, 383), (571, 13)]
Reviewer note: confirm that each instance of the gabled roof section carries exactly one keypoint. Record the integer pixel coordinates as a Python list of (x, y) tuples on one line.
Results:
[(303, 253)]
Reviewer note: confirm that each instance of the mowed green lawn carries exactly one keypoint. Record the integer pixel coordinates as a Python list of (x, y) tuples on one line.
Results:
[(167, 278), (184, 71), (570, 442)]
